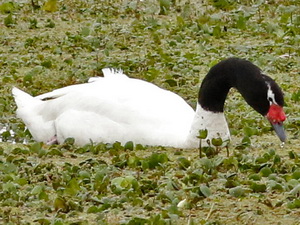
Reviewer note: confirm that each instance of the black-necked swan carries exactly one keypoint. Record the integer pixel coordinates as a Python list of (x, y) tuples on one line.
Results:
[(118, 108)]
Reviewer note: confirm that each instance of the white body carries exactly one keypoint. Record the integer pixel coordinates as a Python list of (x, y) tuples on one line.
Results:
[(117, 108)]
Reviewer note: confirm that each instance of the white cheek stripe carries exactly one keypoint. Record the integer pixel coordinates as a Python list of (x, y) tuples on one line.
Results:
[(271, 95)]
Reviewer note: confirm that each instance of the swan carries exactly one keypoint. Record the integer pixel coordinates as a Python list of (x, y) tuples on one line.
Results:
[(118, 108)]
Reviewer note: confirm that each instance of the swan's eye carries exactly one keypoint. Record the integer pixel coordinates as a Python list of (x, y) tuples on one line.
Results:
[(270, 100)]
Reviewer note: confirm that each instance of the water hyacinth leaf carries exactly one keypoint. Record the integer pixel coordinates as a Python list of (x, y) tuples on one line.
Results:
[(292, 183), (205, 190), (9, 21), (217, 31), (296, 174), (21, 181), (293, 155), (37, 190), (183, 163), (171, 82), (265, 171), (43, 221), (54, 151), (84, 174), (33, 23), (9, 187), (50, 6), (27, 80), (85, 31), (295, 191), (7, 7), (241, 22), (36, 147), (73, 187), (47, 64), (237, 192), (50, 23), (129, 145), (258, 187), (60, 204), (94, 209), (217, 141), (296, 96), (246, 141), (156, 159), (295, 204), (277, 159), (117, 185), (164, 6), (273, 185), (255, 177), (202, 134), (250, 131), (222, 4), (43, 196)]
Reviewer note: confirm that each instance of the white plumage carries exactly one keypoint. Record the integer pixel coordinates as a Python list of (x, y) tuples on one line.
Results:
[(108, 109), (118, 108)]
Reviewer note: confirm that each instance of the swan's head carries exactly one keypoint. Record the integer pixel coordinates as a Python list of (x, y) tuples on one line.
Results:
[(269, 102), (275, 113), (260, 91)]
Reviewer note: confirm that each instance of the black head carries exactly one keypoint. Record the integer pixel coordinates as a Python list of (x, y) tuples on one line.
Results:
[(260, 91), (246, 78)]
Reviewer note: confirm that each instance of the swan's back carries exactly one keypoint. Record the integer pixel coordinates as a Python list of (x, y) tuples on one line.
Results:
[(108, 109)]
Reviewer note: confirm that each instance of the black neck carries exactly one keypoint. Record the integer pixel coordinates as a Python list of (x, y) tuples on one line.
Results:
[(242, 75)]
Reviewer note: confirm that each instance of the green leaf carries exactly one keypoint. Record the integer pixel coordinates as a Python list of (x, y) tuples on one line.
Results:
[(217, 31), (85, 31), (237, 192), (7, 7), (265, 171), (296, 174), (93, 209), (54, 151), (84, 174), (217, 141), (164, 6), (255, 177), (273, 185), (50, 6), (129, 146), (60, 204), (36, 147), (205, 190), (249, 131), (171, 82), (183, 163), (50, 23), (241, 22), (33, 23), (295, 204), (257, 187), (47, 64), (202, 134), (295, 191), (9, 21)]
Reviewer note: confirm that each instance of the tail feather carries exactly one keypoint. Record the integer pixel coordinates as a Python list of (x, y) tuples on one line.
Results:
[(23, 99), (31, 110), (110, 72)]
